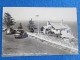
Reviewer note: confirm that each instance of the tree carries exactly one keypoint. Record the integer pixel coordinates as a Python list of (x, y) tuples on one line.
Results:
[(42, 28), (20, 29), (31, 26), (8, 20), (20, 26)]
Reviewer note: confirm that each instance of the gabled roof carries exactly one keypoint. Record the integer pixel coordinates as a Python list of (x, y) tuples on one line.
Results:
[(60, 26)]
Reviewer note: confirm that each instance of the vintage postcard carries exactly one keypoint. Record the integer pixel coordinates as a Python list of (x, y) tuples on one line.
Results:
[(30, 31)]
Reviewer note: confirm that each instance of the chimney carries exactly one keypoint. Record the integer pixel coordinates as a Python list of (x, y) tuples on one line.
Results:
[(48, 23), (62, 21)]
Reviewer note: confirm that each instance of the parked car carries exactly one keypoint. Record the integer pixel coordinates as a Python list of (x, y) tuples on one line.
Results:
[(20, 34), (4, 29), (10, 31)]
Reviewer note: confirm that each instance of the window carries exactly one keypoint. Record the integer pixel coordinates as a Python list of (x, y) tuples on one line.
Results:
[(68, 31)]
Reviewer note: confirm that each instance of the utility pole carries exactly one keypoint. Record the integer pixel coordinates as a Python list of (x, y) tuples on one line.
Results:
[(62, 21), (38, 23)]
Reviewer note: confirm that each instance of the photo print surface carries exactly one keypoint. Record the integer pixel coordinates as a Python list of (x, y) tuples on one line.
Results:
[(30, 31)]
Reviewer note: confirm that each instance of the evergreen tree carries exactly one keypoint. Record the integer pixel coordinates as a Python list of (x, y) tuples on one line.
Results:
[(31, 26), (8, 20), (20, 26), (42, 28)]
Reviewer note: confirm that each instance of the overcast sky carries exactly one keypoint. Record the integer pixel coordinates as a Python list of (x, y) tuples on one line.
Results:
[(45, 13)]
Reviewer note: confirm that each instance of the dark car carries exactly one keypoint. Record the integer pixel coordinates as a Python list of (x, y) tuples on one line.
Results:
[(20, 34)]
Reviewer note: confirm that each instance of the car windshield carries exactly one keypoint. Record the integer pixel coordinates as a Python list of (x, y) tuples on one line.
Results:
[(17, 32)]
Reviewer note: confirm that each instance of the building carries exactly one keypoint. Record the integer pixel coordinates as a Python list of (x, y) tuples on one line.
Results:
[(58, 29)]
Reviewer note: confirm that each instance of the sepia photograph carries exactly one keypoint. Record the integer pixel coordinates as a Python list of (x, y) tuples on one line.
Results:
[(38, 31)]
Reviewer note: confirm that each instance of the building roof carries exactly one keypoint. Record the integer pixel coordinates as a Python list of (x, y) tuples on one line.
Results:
[(60, 26)]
